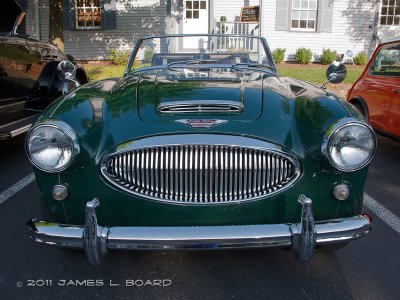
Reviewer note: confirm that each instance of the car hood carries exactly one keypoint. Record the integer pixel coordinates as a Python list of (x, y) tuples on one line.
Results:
[(10, 12), (286, 112), (162, 99)]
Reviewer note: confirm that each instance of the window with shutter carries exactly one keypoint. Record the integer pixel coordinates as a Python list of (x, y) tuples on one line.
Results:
[(390, 12), (88, 14), (304, 15)]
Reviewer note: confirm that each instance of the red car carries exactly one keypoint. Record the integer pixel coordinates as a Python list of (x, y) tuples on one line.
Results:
[(377, 92)]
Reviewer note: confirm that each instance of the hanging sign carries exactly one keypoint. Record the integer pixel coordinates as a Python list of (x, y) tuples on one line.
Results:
[(249, 13)]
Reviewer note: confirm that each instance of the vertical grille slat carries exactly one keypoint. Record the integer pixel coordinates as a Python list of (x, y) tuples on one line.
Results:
[(201, 173)]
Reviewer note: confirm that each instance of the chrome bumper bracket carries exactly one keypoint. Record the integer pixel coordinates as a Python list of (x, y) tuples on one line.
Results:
[(95, 240), (94, 236)]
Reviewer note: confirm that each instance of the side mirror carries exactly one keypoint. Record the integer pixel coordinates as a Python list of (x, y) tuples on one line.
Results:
[(336, 73), (66, 70)]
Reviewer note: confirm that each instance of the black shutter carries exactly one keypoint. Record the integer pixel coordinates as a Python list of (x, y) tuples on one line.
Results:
[(69, 19), (109, 17), (282, 15)]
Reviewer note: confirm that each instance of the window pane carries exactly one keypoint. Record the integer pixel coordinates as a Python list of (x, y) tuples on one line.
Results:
[(384, 11), (196, 5), (97, 17), (188, 4), (312, 15), (81, 17), (188, 14), (203, 4), (295, 23), (385, 2), (391, 2), (296, 4), (304, 4), (396, 20), (195, 14), (96, 3), (313, 4), (383, 20), (311, 24), (303, 15), (303, 24), (391, 11), (390, 20), (296, 14)]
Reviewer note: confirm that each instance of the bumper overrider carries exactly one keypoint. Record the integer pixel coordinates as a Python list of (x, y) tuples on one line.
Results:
[(95, 240)]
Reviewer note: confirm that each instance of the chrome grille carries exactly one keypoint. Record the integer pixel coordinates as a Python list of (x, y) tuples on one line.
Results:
[(201, 173)]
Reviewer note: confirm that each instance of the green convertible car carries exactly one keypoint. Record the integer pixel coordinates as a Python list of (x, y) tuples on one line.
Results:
[(200, 145)]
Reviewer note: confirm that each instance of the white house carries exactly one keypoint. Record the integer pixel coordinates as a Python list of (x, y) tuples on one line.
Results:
[(93, 27)]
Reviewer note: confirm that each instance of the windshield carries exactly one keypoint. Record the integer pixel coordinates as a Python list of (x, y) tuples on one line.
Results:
[(191, 50)]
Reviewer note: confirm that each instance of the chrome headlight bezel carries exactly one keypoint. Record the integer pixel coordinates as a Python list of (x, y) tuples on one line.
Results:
[(67, 131), (334, 129)]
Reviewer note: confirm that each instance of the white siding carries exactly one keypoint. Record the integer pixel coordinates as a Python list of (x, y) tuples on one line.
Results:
[(351, 30), (231, 10), (388, 32), (352, 26), (31, 21), (134, 19), (43, 17)]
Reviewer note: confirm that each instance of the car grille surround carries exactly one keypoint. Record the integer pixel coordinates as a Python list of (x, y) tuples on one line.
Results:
[(222, 169)]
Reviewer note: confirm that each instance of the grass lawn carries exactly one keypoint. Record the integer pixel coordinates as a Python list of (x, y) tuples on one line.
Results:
[(101, 71), (314, 73)]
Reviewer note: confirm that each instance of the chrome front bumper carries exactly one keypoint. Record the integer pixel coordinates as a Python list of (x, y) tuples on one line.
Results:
[(302, 237)]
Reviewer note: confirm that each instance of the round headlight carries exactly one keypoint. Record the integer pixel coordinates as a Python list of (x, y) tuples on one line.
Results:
[(350, 146), (51, 146)]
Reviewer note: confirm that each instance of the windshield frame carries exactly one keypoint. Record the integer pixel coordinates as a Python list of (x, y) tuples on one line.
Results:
[(271, 63)]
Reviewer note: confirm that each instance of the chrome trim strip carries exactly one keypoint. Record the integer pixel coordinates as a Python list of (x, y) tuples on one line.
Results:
[(335, 127), (96, 240), (195, 165), (200, 106)]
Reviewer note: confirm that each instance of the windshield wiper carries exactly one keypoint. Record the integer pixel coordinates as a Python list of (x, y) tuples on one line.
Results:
[(192, 62), (251, 65)]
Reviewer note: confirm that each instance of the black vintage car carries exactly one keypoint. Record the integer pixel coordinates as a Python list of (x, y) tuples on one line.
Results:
[(32, 73)]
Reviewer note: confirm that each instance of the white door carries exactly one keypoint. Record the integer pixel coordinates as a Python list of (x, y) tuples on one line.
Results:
[(195, 20)]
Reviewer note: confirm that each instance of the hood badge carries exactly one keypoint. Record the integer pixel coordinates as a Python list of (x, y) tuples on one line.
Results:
[(201, 123)]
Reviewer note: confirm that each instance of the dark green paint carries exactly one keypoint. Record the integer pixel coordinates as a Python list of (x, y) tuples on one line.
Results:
[(289, 113)]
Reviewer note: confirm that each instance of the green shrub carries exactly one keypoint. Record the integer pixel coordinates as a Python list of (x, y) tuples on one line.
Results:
[(119, 58), (303, 56), (360, 59), (148, 54), (328, 56), (279, 55)]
